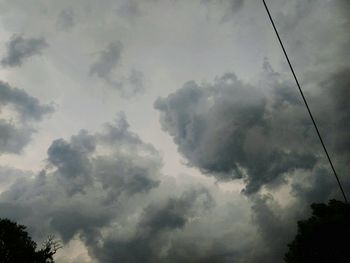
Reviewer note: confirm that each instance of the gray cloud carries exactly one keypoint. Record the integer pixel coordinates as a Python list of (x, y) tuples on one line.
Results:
[(20, 48), (114, 197), (15, 136), (66, 19), (115, 201), (81, 181), (129, 9), (28, 107), (271, 219), (107, 61), (12, 138), (232, 130), (9, 176), (337, 115), (150, 240), (229, 7), (105, 66), (232, 5)]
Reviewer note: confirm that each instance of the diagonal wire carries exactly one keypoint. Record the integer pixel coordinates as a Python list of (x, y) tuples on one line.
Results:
[(305, 102)]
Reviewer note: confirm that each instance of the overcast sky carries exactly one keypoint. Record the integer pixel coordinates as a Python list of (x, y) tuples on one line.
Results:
[(170, 130)]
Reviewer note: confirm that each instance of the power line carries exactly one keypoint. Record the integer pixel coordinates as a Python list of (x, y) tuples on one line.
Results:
[(305, 102)]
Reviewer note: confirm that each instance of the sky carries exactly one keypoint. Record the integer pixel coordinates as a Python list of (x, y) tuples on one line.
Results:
[(170, 130)]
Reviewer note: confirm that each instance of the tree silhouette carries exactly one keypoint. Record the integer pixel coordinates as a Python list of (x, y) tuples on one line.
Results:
[(325, 237), (16, 246)]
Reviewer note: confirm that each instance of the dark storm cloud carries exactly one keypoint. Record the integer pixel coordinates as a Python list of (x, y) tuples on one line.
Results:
[(232, 130), (28, 107), (71, 159), (150, 242), (108, 189), (81, 189), (105, 66), (15, 136), (337, 116), (20, 48), (101, 187)]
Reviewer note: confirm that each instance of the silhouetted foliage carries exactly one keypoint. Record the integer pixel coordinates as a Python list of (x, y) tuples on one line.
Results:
[(16, 246), (325, 237)]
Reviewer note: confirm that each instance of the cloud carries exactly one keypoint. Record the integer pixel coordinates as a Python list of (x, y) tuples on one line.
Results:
[(149, 242), (66, 19), (12, 138), (28, 107), (230, 7), (117, 202), (20, 48), (15, 135), (336, 87), (129, 9), (106, 190), (86, 178), (109, 59), (232, 130), (9, 175)]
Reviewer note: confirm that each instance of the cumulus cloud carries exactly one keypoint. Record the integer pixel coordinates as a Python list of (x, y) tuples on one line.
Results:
[(106, 189), (15, 135), (81, 181), (232, 130), (149, 243), (106, 199), (20, 48)]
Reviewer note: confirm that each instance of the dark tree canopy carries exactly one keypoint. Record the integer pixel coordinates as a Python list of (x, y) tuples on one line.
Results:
[(16, 246), (325, 237)]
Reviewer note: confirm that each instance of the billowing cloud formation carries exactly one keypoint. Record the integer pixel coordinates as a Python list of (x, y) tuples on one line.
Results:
[(232, 130), (20, 48), (104, 67), (106, 190), (15, 136), (82, 182), (157, 221)]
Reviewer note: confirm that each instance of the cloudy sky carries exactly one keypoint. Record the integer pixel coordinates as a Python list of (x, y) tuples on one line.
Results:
[(170, 130)]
